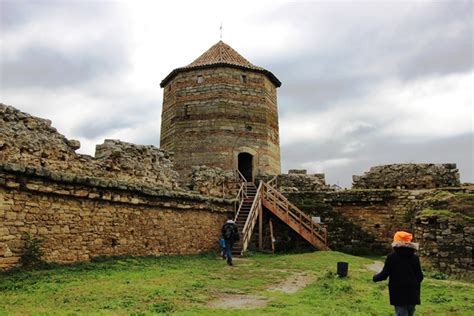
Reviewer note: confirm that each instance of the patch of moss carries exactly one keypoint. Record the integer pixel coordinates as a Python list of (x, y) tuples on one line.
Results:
[(442, 195), (429, 212), (370, 190), (466, 198)]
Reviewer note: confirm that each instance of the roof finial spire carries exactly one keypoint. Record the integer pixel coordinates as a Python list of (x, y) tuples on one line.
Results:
[(221, 31)]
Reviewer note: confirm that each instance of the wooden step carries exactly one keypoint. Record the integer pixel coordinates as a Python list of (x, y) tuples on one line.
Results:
[(301, 230)]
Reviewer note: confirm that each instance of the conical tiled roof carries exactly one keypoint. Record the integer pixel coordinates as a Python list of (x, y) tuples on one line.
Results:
[(220, 55)]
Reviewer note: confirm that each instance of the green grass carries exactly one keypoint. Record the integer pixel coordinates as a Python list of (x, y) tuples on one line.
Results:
[(185, 286)]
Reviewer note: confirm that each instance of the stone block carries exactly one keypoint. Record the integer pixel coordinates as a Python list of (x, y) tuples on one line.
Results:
[(10, 216), (5, 250), (7, 262), (12, 184)]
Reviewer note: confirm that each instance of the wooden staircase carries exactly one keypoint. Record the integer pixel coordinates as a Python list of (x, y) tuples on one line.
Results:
[(299, 221), (251, 203), (243, 214)]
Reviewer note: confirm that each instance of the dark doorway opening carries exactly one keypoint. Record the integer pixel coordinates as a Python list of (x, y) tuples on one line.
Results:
[(245, 165)]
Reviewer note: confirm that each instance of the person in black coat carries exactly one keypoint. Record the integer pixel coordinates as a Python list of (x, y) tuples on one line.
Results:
[(230, 233), (403, 269)]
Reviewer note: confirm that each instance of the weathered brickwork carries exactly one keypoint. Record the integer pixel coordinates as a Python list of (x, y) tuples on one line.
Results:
[(79, 221), (409, 176), (364, 222), (212, 114), (361, 221)]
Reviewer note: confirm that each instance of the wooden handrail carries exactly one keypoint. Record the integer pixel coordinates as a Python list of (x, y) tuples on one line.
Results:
[(296, 215), (273, 182), (288, 203), (241, 195), (240, 176), (292, 213), (252, 218), (268, 196)]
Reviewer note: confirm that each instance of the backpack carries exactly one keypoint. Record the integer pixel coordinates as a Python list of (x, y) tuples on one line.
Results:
[(228, 231)]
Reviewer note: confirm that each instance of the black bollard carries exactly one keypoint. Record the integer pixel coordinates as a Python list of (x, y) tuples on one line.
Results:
[(342, 269)]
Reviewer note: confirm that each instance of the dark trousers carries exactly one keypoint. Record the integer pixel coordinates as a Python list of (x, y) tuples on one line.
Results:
[(406, 310), (228, 250)]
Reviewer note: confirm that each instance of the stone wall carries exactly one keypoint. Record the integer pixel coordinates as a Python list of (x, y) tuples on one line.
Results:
[(364, 222), (209, 122), (361, 221), (32, 142), (124, 201), (81, 218), (409, 176), (447, 241), (445, 230)]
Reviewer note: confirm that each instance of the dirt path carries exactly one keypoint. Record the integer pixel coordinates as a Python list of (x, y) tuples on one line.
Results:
[(239, 301), (290, 285), (293, 283), (377, 266)]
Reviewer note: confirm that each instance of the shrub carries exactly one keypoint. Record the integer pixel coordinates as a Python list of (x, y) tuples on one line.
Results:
[(32, 252)]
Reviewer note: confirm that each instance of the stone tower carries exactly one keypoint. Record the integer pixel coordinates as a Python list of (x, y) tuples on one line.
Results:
[(221, 111)]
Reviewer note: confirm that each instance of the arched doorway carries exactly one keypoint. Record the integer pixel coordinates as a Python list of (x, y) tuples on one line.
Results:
[(245, 165)]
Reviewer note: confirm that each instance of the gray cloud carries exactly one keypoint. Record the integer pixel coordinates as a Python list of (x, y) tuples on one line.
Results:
[(380, 151), (349, 48), (15, 14), (442, 56), (342, 52), (118, 117), (100, 126), (320, 93), (53, 60), (47, 67)]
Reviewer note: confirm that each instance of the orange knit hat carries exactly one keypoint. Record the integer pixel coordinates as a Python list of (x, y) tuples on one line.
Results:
[(403, 236), (403, 239)]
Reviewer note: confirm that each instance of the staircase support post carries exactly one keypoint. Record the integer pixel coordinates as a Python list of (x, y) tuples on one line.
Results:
[(260, 227)]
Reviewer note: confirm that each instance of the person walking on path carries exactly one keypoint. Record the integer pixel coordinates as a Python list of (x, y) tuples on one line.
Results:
[(403, 269), (230, 233)]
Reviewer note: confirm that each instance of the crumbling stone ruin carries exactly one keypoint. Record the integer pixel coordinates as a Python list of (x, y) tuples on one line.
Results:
[(445, 230), (363, 221), (124, 201), (214, 182), (219, 119), (408, 176), (31, 142), (127, 200)]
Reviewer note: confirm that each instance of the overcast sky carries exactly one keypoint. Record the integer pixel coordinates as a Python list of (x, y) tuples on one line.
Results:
[(364, 83)]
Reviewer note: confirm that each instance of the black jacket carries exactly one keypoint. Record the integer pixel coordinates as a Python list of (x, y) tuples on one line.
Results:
[(234, 236), (403, 268)]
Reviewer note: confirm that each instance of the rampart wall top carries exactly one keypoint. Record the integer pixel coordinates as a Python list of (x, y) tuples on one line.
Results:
[(408, 176), (31, 141)]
